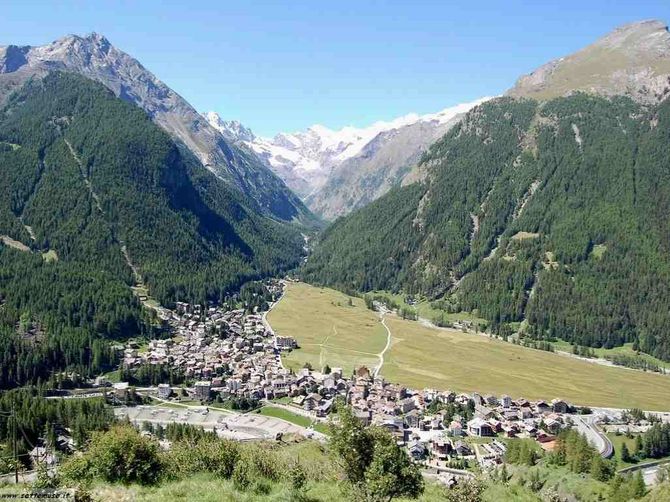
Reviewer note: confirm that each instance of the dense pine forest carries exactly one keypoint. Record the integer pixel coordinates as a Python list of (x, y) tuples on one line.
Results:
[(97, 199), (555, 213)]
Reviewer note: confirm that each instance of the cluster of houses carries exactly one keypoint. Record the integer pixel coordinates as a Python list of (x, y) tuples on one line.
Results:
[(424, 422), (229, 353), (233, 354)]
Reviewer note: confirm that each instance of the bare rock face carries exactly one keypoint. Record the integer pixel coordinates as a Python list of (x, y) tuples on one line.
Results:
[(385, 162), (336, 172), (632, 60), (96, 58)]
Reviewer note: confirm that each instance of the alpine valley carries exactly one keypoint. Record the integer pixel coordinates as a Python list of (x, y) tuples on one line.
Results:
[(471, 305)]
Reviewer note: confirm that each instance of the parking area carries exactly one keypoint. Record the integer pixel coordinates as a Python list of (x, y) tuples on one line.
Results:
[(241, 427)]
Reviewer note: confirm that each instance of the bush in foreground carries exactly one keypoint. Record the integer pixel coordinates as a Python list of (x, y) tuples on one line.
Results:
[(120, 455), (375, 467)]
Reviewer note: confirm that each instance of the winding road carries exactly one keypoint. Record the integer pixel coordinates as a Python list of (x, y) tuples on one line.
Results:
[(586, 424), (388, 344)]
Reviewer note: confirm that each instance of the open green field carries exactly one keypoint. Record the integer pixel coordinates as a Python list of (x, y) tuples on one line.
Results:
[(294, 418), (443, 358), (421, 356), (626, 349), (328, 328), (618, 441)]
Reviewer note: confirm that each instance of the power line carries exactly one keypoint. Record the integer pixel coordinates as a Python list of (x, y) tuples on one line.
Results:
[(23, 433)]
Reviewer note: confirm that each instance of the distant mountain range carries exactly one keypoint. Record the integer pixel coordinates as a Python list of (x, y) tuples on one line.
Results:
[(338, 171), (94, 57), (544, 211)]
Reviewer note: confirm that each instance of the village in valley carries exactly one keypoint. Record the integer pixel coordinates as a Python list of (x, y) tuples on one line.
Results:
[(233, 356)]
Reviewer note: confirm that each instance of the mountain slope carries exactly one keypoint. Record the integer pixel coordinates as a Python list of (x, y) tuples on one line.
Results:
[(75, 157), (338, 171), (95, 58), (552, 212), (633, 60), (98, 199)]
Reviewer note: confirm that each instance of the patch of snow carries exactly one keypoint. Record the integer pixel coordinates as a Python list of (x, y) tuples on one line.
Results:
[(312, 154)]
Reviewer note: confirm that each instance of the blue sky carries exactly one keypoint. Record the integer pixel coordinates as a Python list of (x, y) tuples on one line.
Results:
[(284, 65)]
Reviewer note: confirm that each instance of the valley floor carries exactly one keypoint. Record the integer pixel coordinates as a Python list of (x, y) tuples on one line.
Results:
[(335, 329)]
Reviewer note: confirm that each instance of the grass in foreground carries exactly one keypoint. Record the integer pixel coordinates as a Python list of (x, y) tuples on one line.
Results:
[(422, 357), (328, 328), (207, 488)]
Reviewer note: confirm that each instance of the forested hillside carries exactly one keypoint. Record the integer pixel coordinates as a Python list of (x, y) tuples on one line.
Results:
[(555, 213), (92, 190), (95, 58)]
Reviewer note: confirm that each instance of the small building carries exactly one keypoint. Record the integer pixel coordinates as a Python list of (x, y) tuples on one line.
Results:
[(324, 408), (412, 419), (202, 390), (455, 428), (121, 389), (417, 450), (491, 400), (164, 390), (286, 343), (480, 428), (363, 372), (406, 405), (311, 402), (542, 407), (101, 381), (559, 406), (462, 449), (440, 448)]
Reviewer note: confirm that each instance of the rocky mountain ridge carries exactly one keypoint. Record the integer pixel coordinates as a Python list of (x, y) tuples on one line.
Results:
[(633, 59), (336, 171), (94, 57)]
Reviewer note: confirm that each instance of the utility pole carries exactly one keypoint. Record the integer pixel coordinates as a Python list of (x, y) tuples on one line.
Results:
[(15, 447)]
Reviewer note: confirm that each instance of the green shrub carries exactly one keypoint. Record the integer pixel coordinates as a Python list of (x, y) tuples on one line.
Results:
[(242, 476), (266, 463), (118, 455), (218, 457), (261, 487)]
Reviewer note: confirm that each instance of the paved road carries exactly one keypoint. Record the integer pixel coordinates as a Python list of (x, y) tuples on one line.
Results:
[(649, 470), (649, 474), (586, 424)]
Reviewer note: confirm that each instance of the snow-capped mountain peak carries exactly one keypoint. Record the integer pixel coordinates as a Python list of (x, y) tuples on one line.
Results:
[(231, 129), (305, 159)]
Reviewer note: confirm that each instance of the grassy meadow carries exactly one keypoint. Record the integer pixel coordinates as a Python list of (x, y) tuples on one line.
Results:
[(626, 350), (442, 358), (330, 331)]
